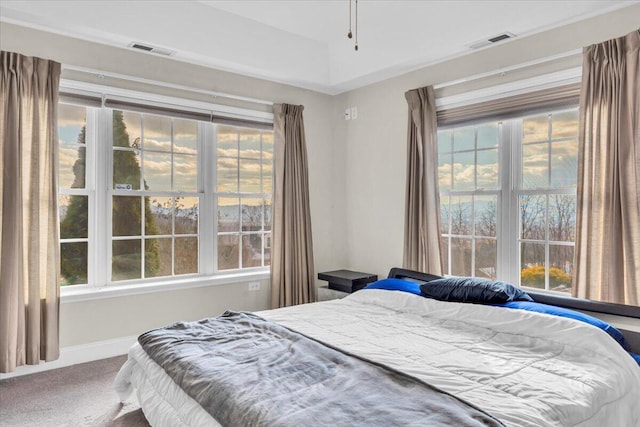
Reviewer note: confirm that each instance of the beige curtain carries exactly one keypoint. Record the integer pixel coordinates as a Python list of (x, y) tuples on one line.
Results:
[(608, 211), (292, 280), (29, 251), (422, 204)]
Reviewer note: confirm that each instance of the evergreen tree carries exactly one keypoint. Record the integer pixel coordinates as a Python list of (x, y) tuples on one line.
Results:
[(126, 215)]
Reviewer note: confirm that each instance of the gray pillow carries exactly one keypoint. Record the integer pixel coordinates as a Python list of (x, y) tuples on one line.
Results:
[(473, 290)]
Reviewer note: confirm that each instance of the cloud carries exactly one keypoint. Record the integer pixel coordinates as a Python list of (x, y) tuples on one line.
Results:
[(71, 115)]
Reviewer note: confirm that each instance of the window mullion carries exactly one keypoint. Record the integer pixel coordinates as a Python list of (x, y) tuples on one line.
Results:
[(208, 229)]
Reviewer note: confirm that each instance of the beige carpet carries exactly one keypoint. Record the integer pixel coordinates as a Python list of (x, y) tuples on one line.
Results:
[(80, 395)]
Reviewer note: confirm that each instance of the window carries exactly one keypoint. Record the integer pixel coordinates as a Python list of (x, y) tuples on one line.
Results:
[(139, 194), (74, 194), (508, 199), (244, 172)]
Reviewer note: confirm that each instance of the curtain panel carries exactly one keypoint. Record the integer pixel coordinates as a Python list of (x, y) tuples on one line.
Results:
[(29, 248), (607, 254), (422, 202), (292, 275)]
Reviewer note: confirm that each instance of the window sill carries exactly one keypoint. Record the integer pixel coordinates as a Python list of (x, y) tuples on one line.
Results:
[(87, 293)]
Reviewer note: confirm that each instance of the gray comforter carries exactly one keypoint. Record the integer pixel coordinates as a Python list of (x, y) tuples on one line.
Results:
[(247, 371)]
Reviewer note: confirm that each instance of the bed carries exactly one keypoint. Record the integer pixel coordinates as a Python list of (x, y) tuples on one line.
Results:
[(491, 364)]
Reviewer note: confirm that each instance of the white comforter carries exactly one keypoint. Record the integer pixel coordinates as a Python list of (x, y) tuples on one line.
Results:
[(527, 369)]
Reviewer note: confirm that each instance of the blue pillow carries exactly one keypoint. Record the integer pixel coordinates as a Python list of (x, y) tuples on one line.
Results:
[(571, 314), (636, 357), (411, 286), (473, 290)]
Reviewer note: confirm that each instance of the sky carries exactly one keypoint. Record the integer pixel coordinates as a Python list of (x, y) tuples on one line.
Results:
[(240, 164)]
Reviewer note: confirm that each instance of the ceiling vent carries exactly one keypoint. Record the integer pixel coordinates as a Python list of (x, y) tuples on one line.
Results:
[(152, 49), (492, 40)]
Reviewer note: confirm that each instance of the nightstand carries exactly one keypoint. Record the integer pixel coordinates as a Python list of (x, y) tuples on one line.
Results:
[(346, 280)]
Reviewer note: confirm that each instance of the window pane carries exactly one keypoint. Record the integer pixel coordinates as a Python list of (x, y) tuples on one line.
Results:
[(267, 214), (250, 176), (560, 267), (532, 217), (486, 215), (71, 123), (460, 257), (127, 216), (444, 141), (564, 163), (535, 129), (463, 171), (444, 172), (185, 173), (565, 125), (74, 216), (532, 271), (535, 166), (444, 248), (486, 258), (73, 263), (187, 213), (126, 129), (126, 169), (267, 145), (562, 217), (251, 250), (157, 133), (228, 247), (488, 135), (487, 169), (267, 249), (461, 212), (185, 136), (157, 257), (160, 215), (227, 175), (186, 255), (464, 139), (250, 143), (251, 210), (157, 171), (445, 214), (126, 260), (267, 177), (71, 165), (228, 214), (227, 141)]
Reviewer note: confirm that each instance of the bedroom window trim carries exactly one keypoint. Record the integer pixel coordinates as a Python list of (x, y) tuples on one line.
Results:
[(100, 191)]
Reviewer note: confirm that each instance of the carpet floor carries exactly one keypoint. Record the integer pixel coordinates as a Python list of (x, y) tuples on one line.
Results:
[(79, 395)]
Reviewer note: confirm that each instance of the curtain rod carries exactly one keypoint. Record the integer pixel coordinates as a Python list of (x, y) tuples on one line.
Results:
[(165, 84), (508, 69)]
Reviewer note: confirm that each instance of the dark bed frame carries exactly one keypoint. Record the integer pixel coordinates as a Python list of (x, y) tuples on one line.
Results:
[(632, 337)]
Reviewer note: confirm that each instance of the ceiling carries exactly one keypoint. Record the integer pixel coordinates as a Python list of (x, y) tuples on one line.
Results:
[(303, 43)]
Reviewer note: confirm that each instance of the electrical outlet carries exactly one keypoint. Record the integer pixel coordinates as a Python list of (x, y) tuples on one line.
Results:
[(254, 286), (347, 114), (354, 113)]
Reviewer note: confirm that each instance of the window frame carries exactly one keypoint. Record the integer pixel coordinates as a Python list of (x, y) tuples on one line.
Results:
[(509, 191), (473, 193), (99, 189)]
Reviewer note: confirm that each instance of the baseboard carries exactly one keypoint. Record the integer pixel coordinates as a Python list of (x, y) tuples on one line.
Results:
[(76, 354)]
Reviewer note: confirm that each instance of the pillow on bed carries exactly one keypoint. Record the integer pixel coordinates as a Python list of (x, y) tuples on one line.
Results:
[(473, 290), (411, 286), (571, 314), (636, 357)]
